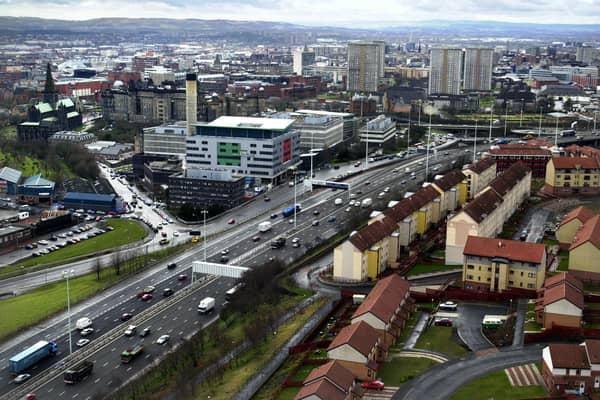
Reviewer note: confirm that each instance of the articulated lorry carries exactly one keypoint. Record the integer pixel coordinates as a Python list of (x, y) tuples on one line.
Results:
[(78, 372), (31, 356)]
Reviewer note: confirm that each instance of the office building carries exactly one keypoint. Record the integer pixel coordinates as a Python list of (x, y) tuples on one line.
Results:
[(302, 59), (478, 69), (378, 131), (167, 139), (365, 65), (445, 71), (318, 131), (350, 123), (584, 54), (202, 188), (261, 148), (142, 61)]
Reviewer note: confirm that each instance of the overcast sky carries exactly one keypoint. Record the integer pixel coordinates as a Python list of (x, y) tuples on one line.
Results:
[(316, 12)]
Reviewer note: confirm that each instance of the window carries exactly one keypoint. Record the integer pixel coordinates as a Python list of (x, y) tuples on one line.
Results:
[(521, 273), (511, 283), (530, 286), (470, 277), (470, 267), (512, 272), (531, 275)]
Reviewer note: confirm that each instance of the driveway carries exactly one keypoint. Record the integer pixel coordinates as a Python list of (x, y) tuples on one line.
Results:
[(535, 223), (469, 320)]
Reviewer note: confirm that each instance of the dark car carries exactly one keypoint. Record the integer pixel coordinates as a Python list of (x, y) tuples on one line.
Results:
[(145, 332), (267, 198), (316, 212), (182, 277), (171, 266), (255, 238), (167, 292), (273, 216), (443, 322), (126, 316)]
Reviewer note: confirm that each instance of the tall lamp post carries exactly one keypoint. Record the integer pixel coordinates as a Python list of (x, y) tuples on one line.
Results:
[(66, 274), (491, 122), (521, 119), (595, 112), (204, 212), (540, 125), (295, 213), (505, 118), (475, 143), (408, 132)]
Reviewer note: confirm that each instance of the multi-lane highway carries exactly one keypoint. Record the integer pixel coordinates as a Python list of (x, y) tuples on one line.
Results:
[(181, 319)]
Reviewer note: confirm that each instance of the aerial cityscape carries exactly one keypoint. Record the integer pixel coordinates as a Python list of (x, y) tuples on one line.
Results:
[(275, 200)]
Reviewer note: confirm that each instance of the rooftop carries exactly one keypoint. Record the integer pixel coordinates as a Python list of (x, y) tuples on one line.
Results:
[(360, 336), (37, 180), (10, 175), (513, 250), (483, 205), (568, 356), (384, 298), (589, 232), (276, 124), (563, 291), (574, 162), (373, 233), (581, 213), (482, 165)]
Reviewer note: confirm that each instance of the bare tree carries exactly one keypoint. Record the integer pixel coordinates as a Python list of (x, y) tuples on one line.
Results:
[(98, 268)]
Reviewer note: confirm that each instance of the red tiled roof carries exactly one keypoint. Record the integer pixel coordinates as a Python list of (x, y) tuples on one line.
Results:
[(563, 277), (563, 291), (568, 356), (593, 350), (574, 162), (482, 165), (333, 371), (322, 389), (483, 205), (360, 336), (384, 298), (514, 250), (373, 233), (504, 182), (589, 232), (411, 204), (449, 180), (530, 151), (581, 213)]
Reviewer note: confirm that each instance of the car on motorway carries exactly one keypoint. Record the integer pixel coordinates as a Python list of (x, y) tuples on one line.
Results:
[(367, 182), (167, 292), (443, 322), (126, 316), (171, 265), (21, 378), (145, 332), (296, 240), (224, 259), (357, 164), (374, 385), (315, 222), (148, 289), (331, 218), (224, 252), (86, 331), (146, 297), (182, 277), (255, 238), (387, 189), (291, 220), (348, 209), (358, 192), (231, 221), (164, 242), (130, 331), (267, 198), (296, 245), (82, 342), (316, 212), (195, 239), (163, 339), (175, 234), (273, 216), (163, 234)]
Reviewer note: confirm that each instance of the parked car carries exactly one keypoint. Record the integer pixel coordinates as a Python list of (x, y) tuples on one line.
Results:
[(443, 322), (374, 385)]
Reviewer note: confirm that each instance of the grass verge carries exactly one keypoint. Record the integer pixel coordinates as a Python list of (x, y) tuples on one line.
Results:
[(563, 264), (401, 369), (125, 232), (23, 311), (440, 339), (495, 385)]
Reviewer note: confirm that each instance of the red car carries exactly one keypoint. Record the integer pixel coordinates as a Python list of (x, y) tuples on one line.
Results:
[(147, 297), (443, 322), (182, 277), (375, 385), (231, 221)]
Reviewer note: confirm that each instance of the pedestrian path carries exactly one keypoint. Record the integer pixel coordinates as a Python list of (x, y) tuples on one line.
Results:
[(524, 375), (416, 332)]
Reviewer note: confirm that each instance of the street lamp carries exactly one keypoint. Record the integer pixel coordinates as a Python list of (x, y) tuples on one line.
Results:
[(505, 118), (491, 119), (295, 213), (595, 112), (66, 274), (540, 127), (475, 142), (204, 212), (521, 119), (556, 132), (408, 133)]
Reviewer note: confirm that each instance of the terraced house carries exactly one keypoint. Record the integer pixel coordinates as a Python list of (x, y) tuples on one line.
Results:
[(498, 265), (478, 176), (486, 214), (584, 252), (572, 175), (330, 381), (571, 223), (560, 302)]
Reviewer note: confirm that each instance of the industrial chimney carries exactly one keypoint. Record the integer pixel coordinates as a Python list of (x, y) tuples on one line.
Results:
[(191, 102)]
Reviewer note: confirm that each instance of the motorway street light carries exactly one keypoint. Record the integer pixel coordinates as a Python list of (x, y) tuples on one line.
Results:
[(491, 122), (505, 118), (204, 212), (295, 213), (475, 143), (540, 127), (66, 274), (521, 120)]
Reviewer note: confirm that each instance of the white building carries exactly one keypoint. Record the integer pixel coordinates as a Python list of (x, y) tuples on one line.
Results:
[(303, 58), (167, 139), (478, 69), (318, 131), (584, 54), (378, 130), (445, 71)]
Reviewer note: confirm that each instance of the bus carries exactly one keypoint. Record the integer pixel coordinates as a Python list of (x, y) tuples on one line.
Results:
[(568, 132), (230, 294), (290, 210)]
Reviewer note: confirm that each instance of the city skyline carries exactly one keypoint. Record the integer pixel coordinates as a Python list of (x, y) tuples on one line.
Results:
[(380, 13)]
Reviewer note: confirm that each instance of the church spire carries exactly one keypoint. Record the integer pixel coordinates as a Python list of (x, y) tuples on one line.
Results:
[(49, 89)]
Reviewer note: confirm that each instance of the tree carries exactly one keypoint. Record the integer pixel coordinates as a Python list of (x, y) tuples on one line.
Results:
[(116, 259), (98, 268), (568, 105)]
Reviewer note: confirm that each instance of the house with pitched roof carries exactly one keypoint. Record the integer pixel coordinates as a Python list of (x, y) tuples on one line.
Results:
[(9, 180), (498, 265), (486, 214), (330, 381), (452, 188), (572, 367), (387, 307), (560, 302), (584, 251), (35, 189), (573, 221), (572, 175), (358, 348), (477, 177)]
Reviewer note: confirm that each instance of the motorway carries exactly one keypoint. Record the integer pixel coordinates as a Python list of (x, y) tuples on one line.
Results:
[(105, 310)]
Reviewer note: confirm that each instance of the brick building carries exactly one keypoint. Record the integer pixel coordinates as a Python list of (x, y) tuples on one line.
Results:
[(560, 302), (535, 157)]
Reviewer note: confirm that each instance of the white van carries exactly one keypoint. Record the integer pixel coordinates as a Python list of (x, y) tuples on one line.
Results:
[(338, 202)]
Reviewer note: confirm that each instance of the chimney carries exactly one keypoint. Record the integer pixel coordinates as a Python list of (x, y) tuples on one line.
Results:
[(191, 101)]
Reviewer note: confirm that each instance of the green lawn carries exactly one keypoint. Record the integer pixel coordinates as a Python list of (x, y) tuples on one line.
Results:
[(533, 326), (592, 306), (288, 393), (303, 372), (496, 386), (439, 338), (426, 268), (563, 264), (551, 242), (27, 309), (439, 252), (401, 369), (126, 231)]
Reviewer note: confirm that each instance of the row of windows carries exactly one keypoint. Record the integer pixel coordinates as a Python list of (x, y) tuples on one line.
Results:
[(510, 283)]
